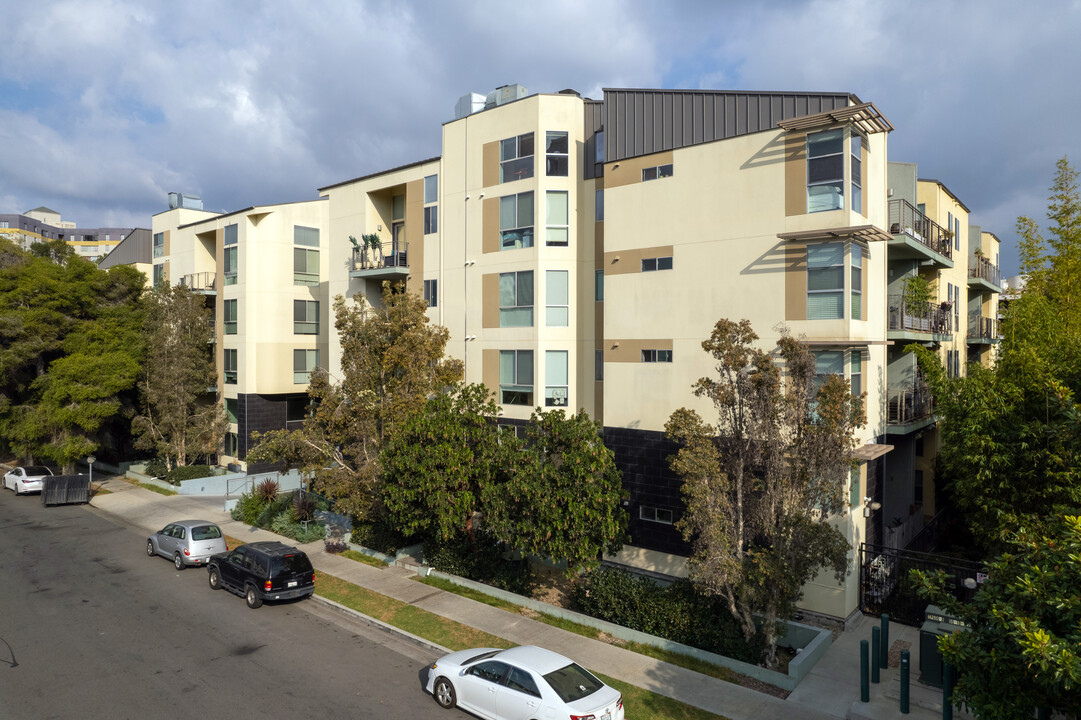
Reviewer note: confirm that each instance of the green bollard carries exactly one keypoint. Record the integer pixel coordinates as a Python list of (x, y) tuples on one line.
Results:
[(885, 640), (876, 653), (947, 691), (865, 688), (904, 682)]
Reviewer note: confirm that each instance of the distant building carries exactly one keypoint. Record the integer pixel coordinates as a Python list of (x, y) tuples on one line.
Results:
[(43, 224)]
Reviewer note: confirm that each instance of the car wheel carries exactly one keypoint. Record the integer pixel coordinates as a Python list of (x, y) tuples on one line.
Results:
[(215, 579), (252, 597), (178, 561), (444, 694), (150, 548)]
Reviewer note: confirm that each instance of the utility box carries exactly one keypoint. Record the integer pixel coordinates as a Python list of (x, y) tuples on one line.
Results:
[(936, 623)]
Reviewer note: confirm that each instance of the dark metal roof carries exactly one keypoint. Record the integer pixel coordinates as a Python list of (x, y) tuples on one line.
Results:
[(381, 172)]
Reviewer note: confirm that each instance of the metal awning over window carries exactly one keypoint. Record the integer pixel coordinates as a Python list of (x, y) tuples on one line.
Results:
[(871, 451), (860, 233), (865, 117)]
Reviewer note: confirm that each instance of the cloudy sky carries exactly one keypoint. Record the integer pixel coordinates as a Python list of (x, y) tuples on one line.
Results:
[(108, 105)]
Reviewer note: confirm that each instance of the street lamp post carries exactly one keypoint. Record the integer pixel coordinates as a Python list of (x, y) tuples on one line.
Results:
[(90, 460)]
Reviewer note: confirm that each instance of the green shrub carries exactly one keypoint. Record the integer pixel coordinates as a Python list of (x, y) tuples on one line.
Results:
[(156, 468), (487, 562), (188, 472), (677, 612), (315, 531), (268, 489), (248, 508), (282, 524), (304, 506), (379, 536)]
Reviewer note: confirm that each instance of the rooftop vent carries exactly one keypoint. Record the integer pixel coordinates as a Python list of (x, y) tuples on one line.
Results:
[(188, 202)]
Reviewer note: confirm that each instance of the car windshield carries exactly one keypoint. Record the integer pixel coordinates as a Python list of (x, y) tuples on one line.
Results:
[(573, 683), (37, 470), (205, 532), (298, 563)]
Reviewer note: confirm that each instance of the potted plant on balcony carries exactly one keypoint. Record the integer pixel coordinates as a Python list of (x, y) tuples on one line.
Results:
[(917, 294), (372, 241)]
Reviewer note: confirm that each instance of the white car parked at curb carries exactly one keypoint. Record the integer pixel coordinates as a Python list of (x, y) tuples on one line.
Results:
[(27, 479)]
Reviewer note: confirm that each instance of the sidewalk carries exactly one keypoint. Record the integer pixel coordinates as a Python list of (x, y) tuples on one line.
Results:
[(830, 691)]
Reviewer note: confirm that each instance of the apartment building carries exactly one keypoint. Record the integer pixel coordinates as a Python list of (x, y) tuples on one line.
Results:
[(580, 250), (42, 225)]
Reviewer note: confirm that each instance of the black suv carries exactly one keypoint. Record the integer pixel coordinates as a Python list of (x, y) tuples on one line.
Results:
[(263, 571)]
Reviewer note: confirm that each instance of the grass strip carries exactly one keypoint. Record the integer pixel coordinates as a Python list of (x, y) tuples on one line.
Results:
[(362, 558), (155, 488), (641, 703)]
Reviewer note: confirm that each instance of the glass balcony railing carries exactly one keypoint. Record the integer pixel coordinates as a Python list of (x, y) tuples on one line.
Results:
[(200, 281)]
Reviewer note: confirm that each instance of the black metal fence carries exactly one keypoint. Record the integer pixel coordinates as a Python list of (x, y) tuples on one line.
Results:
[(886, 585)]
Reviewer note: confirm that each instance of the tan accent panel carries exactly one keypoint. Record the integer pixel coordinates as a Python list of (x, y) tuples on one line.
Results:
[(490, 164), (795, 282), (598, 319), (165, 274), (630, 261), (414, 235), (628, 172), (630, 351), (489, 371), (489, 298), (166, 245), (489, 227), (598, 244), (795, 175)]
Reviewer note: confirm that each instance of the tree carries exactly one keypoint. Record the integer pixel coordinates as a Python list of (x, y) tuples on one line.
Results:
[(1023, 648), (179, 420), (444, 467), (392, 362), (761, 486), (70, 350), (563, 492)]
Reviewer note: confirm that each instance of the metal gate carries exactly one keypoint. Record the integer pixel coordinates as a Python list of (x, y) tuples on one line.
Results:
[(886, 585)]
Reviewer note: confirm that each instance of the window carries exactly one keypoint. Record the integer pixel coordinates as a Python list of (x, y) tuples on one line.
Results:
[(657, 263), (656, 356), (230, 317), (854, 487), (555, 378), (827, 362), (949, 223), (656, 173), (598, 365), (230, 367), (598, 212), (304, 361), (825, 171), (516, 221), (306, 236), (522, 681), (557, 161), (230, 235), (655, 514), (305, 266), (159, 275), (296, 410), (431, 194), (159, 245), (598, 285), (557, 298), (856, 161), (825, 281), (431, 293), (516, 377), (856, 273), (855, 372), (230, 265), (598, 152), (556, 214), (230, 409), (232, 445), (516, 158), (306, 317), (516, 299), (397, 207), (957, 234)]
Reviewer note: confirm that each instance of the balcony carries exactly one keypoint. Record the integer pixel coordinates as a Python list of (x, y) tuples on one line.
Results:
[(909, 408), (390, 261), (917, 237), (918, 321), (201, 283), (984, 275), (982, 330)]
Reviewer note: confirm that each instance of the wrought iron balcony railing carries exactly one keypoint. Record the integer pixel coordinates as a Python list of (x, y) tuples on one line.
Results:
[(921, 317), (985, 270), (907, 220), (391, 254), (909, 404)]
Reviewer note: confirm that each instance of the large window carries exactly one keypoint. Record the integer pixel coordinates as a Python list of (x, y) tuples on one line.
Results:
[(598, 365), (598, 149), (657, 172), (516, 158), (159, 245), (431, 194), (556, 218), (555, 378), (231, 234), (159, 274), (825, 170), (431, 293), (598, 210), (229, 369), (309, 237), (516, 377), (306, 317), (856, 274), (598, 285), (230, 410), (516, 299), (232, 445), (516, 221), (655, 514), (304, 361), (230, 270), (557, 298), (230, 317), (825, 281), (855, 372), (305, 266), (856, 162), (557, 159)]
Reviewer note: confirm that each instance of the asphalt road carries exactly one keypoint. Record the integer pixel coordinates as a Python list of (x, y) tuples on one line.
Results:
[(90, 627)]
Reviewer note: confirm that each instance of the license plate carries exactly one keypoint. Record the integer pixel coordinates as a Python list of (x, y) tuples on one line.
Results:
[(293, 583), (606, 716)]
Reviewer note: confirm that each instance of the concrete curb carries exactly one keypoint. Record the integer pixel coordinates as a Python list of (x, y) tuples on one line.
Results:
[(380, 625)]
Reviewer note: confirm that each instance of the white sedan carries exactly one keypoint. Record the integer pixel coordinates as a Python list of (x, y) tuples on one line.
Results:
[(27, 479), (521, 684)]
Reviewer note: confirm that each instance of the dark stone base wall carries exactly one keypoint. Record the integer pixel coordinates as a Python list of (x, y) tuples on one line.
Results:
[(259, 413), (642, 457)]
